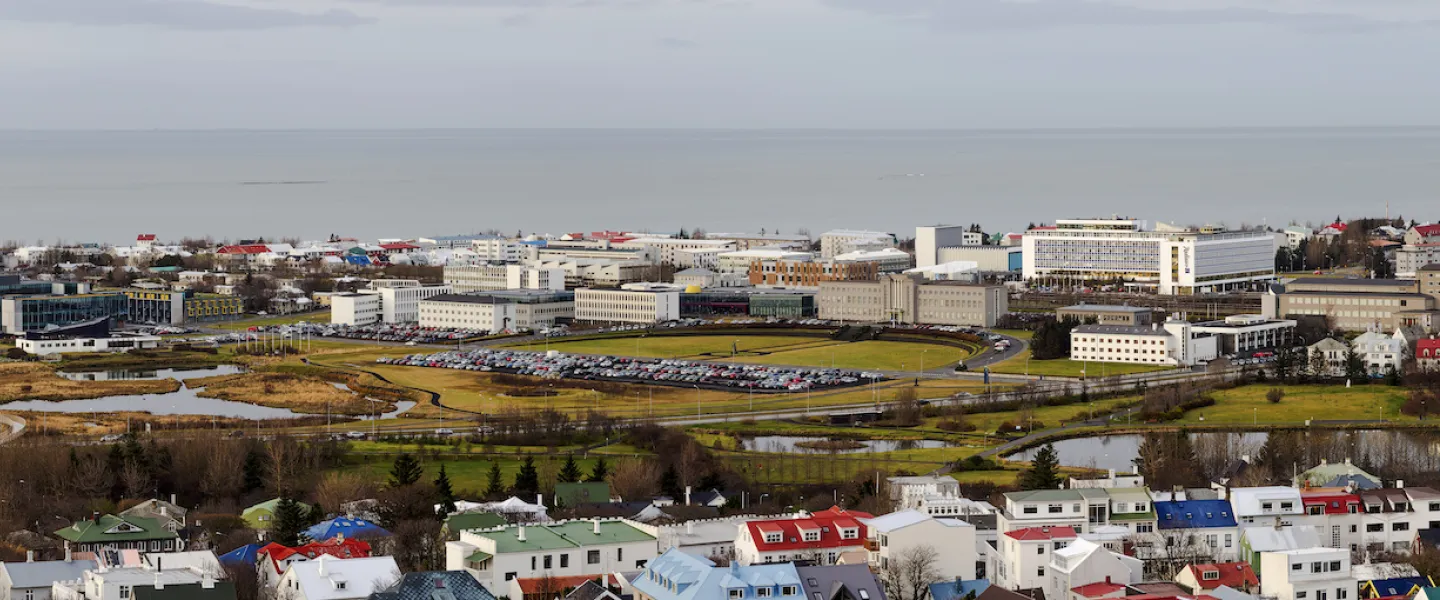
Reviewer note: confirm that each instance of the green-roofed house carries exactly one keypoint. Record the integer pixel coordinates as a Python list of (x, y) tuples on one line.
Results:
[(110, 532), (586, 492), (1132, 509), (583, 547), (458, 522), (261, 515)]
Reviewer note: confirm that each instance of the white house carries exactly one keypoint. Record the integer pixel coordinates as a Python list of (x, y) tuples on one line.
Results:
[(1083, 562), (1379, 352), (1044, 508), (1264, 504), (822, 536), (1333, 352), (108, 583), (1307, 574), (1023, 556), (32, 580), (582, 547), (330, 578), (936, 495), (952, 540)]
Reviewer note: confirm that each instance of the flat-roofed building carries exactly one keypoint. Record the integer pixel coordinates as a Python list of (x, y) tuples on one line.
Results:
[(1108, 314), (908, 298), (499, 311), (840, 241), (807, 273), (740, 260), (354, 309), (491, 278), (1354, 304), (626, 306), (886, 260), (990, 259)]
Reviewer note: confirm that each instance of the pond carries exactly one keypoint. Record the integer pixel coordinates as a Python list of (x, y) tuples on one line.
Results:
[(184, 401), (790, 444), (1415, 449)]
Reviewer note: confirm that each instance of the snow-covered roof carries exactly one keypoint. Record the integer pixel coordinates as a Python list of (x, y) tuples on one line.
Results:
[(330, 578), (864, 255), (897, 520)]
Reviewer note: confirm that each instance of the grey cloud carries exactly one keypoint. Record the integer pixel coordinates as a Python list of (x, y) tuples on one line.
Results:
[(675, 43), (517, 20), (173, 14), (981, 15)]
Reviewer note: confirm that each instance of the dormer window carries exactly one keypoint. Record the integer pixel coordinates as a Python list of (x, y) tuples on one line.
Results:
[(1266, 506), (773, 537), (1211, 575), (763, 592), (737, 594), (810, 535), (1286, 505), (849, 533), (789, 590), (1139, 507)]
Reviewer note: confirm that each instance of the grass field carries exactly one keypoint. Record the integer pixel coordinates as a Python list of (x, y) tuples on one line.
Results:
[(775, 350), (1067, 368), (321, 316), (1247, 405)]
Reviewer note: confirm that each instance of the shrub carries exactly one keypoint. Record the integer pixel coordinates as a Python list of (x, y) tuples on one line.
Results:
[(955, 424), (1275, 395)]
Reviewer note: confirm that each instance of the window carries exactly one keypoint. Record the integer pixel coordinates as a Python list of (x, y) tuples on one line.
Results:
[(1401, 526), (849, 533), (1040, 571), (1030, 509), (1334, 565), (1265, 506), (1040, 549), (547, 561), (340, 585), (812, 536), (789, 590), (29, 594), (1212, 575), (564, 560), (532, 562), (1286, 505), (592, 557), (737, 594), (1228, 540), (1315, 567), (1144, 528), (864, 594), (1341, 593), (1139, 507), (619, 554), (1301, 594), (124, 591), (772, 537), (1055, 509), (1297, 566), (1374, 527)]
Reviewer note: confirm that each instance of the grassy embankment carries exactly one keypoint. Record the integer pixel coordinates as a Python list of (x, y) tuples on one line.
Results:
[(319, 316), (36, 381), (1248, 405), (1068, 368)]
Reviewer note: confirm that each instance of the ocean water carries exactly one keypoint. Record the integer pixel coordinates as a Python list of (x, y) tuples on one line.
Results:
[(108, 186)]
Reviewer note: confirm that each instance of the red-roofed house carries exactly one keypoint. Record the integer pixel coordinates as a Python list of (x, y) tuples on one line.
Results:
[(399, 248), (821, 537), (145, 240), (1427, 354), (1423, 234), (1206, 577), (274, 559), (1022, 555), (1096, 591)]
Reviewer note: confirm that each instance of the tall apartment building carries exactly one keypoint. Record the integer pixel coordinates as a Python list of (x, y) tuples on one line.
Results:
[(1170, 261), (626, 306), (908, 298), (491, 278), (840, 241)]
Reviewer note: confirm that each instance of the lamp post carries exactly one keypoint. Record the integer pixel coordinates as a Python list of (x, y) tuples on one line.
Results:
[(697, 401)]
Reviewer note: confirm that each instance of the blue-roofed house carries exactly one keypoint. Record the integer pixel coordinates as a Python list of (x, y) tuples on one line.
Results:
[(32, 580), (354, 529), (1395, 586), (957, 590), (1196, 528), (244, 555), (676, 575)]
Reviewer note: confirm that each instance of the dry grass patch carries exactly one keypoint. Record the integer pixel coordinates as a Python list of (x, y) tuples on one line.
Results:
[(300, 393), (34, 381)]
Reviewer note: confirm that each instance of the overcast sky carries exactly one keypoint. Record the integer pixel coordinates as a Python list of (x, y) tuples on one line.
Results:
[(84, 64)]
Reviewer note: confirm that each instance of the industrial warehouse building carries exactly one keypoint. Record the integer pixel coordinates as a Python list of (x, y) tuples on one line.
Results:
[(908, 298)]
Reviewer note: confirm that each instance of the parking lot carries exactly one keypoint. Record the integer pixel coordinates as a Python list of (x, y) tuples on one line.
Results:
[(680, 373)]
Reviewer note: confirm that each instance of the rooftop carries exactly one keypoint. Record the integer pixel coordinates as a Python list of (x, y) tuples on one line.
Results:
[(1108, 308), (1122, 330), (566, 534)]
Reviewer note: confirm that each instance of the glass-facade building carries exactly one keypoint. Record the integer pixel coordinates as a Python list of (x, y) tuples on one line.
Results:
[(166, 307), (783, 306), (34, 313)]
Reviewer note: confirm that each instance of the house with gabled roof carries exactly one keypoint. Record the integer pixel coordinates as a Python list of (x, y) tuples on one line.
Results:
[(1393, 587), (32, 579), (330, 578), (1023, 555), (892, 535), (111, 533), (676, 575), (1202, 578), (1427, 354), (435, 585), (839, 582), (821, 537), (1084, 562), (1255, 541), (169, 514), (1189, 528), (496, 556)]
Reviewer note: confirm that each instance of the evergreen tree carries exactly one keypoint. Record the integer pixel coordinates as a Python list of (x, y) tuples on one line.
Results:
[(670, 482), (405, 471), (1354, 366), (495, 487), (570, 472), (600, 472), (254, 470), (316, 514), (288, 522), (1392, 375), (444, 493), (1044, 470), (527, 481)]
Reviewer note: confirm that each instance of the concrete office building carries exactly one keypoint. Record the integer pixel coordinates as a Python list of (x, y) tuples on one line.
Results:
[(400, 298), (1429, 279), (496, 249), (741, 260), (840, 241), (491, 278), (627, 305), (809, 273), (1410, 259), (667, 250), (909, 298), (929, 239), (354, 309), (1354, 304), (887, 260), (1102, 314), (41, 345), (1150, 345), (989, 259), (1167, 260), (34, 313), (180, 307), (499, 311)]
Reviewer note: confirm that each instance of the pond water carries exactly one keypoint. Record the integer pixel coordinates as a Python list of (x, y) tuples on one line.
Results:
[(788, 444), (184, 401), (1377, 446)]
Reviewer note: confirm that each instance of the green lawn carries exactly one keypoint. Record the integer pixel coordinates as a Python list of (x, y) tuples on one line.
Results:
[(321, 316), (1023, 334), (1247, 405), (1068, 368), (775, 350)]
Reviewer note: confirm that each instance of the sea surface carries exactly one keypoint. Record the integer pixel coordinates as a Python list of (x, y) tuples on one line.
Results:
[(108, 186)]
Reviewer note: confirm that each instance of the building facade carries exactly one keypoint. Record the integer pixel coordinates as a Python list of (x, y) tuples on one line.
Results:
[(1171, 262), (929, 239), (840, 241), (354, 309), (989, 259), (497, 312), (1133, 316), (491, 278), (909, 299), (809, 273), (496, 556), (164, 307), (1354, 304), (33, 313), (626, 306)]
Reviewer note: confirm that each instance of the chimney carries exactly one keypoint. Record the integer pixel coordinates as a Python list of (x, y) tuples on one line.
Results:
[(29, 556), (540, 499), (207, 582), (159, 585), (596, 526), (687, 495), (1278, 527), (164, 510), (1245, 458), (1400, 484), (68, 556), (320, 564), (1112, 473), (520, 533), (172, 500), (689, 527)]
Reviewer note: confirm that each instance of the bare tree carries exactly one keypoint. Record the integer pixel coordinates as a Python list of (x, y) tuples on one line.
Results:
[(908, 574), (224, 472), (638, 478), (336, 489)]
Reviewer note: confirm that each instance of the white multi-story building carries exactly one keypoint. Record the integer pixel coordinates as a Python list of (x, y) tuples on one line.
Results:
[(935, 495), (1411, 258), (740, 260), (1379, 352), (355, 308), (1022, 557), (990, 259), (747, 241), (1045, 508), (626, 306), (497, 249), (887, 260), (822, 537), (929, 239), (1389, 524), (1295, 234), (953, 541), (667, 250), (492, 278), (497, 312), (1082, 563), (1173, 261), (840, 241), (582, 547), (1172, 344), (1307, 574), (1264, 505), (392, 301)]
